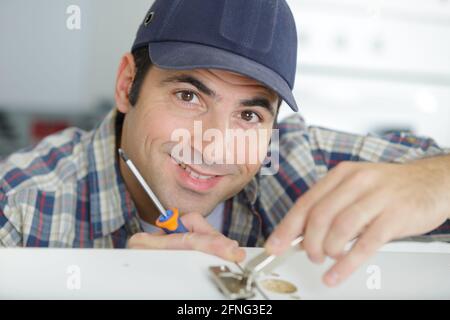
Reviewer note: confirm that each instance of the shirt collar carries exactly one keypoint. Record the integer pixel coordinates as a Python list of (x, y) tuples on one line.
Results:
[(111, 205), (251, 190)]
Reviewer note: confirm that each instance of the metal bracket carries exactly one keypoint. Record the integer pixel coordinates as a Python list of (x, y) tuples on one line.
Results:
[(232, 284)]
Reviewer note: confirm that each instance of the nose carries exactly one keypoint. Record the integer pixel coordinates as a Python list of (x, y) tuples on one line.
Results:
[(214, 146)]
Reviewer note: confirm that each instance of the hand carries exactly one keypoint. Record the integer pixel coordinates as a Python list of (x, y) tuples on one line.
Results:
[(201, 236), (377, 202)]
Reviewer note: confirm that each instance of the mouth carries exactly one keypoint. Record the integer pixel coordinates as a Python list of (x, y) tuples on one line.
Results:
[(192, 172), (193, 179)]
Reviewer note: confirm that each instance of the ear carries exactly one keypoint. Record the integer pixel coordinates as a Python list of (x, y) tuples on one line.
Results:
[(124, 80)]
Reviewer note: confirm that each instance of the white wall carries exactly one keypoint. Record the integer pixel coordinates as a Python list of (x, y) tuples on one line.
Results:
[(42, 64), (368, 64), (113, 25), (45, 66)]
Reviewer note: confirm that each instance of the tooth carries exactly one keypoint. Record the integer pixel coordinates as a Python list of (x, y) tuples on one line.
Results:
[(195, 175)]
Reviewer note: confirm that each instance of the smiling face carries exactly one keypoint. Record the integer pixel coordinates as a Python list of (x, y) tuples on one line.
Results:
[(170, 101)]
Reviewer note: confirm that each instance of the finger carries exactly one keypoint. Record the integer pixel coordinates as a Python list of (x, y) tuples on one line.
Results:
[(292, 224), (197, 223), (350, 222), (215, 244), (321, 216), (376, 235)]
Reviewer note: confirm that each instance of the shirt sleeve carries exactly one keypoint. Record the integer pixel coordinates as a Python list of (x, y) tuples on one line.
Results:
[(10, 235), (331, 147)]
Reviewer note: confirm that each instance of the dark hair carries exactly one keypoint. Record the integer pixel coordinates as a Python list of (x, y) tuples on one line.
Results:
[(142, 64)]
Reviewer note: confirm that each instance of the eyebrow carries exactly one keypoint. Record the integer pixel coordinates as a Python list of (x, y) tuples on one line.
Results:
[(259, 102), (191, 80), (255, 102)]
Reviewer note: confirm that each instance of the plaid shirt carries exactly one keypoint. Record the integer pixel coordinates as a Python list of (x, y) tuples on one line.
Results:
[(68, 192)]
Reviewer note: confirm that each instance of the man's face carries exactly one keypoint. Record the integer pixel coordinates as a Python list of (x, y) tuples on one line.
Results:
[(171, 101)]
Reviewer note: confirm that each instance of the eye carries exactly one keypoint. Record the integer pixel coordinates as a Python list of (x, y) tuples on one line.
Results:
[(250, 116), (187, 96)]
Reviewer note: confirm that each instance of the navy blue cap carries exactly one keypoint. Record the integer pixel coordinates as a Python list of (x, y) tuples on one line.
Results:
[(255, 38)]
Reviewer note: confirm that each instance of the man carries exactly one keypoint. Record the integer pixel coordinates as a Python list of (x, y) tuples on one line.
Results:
[(226, 65)]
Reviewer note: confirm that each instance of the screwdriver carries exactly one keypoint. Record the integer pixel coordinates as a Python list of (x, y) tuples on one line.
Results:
[(169, 220)]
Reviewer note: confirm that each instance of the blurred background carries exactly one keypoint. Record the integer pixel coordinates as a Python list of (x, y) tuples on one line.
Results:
[(364, 65)]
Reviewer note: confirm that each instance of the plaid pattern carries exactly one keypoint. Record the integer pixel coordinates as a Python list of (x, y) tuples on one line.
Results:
[(67, 191)]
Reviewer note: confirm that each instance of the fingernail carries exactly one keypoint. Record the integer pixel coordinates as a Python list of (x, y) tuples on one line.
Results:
[(315, 259), (332, 278)]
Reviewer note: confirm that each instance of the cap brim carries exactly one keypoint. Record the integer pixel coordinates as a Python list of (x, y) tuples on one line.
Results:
[(185, 56)]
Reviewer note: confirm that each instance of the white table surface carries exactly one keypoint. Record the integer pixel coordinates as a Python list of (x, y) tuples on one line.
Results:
[(407, 270)]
